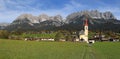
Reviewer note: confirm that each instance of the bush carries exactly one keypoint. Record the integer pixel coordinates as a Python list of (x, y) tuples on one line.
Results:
[(4, 34), (59, 36), (68, 36)]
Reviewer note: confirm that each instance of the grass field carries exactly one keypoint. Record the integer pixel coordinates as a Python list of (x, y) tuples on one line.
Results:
[(14, 49)]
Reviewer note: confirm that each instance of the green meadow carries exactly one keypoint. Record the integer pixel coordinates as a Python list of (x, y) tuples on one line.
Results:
[(18, 49)]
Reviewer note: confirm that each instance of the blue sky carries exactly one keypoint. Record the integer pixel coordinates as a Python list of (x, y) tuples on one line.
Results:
[(11, 9)]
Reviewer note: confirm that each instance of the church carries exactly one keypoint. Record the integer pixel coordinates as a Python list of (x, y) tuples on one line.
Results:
[(84, 34)]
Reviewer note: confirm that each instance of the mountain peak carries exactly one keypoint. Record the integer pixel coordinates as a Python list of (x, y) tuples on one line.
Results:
[(73, 21), (93, 14)]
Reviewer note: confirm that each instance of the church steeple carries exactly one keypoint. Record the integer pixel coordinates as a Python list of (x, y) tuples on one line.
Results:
[(85, 35), (86, 22), (86, 27), (86, 30)]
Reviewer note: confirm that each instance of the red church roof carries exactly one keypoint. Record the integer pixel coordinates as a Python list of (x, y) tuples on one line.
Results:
[(86, 22)]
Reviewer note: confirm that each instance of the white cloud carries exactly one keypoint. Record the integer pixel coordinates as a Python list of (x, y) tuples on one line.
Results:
[(8, 15), (73, 6), (112, 9), (2, 5)]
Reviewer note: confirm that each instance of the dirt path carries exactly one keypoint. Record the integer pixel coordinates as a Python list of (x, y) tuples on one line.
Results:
[(89, 53)]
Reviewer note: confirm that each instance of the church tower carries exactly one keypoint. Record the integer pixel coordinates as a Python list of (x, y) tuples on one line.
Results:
[(86, 30), (84, 36)]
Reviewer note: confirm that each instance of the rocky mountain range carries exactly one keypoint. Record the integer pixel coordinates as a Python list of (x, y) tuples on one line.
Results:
[(104, 21), (30, 19), (74, 21), (92, 15)]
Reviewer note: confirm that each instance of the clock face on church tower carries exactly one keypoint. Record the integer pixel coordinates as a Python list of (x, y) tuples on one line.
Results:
[(86, 28)]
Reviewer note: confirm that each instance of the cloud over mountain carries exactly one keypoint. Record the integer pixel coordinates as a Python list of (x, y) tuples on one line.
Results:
[(10, 9)]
